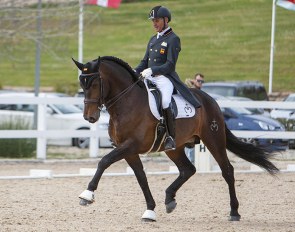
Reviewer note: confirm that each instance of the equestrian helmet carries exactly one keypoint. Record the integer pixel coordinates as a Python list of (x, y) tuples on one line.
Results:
[(160, 12)]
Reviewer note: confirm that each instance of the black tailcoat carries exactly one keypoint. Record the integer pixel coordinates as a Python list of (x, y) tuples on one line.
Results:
[(161, 56)]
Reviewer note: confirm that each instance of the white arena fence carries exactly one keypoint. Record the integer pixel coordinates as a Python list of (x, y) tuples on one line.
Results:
[(41, 133)]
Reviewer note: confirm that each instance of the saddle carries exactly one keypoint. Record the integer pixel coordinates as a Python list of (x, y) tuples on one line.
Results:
[(158, 97), (180, 108)]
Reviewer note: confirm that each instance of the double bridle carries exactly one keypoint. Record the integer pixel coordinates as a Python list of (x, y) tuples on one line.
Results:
[(87, 79)]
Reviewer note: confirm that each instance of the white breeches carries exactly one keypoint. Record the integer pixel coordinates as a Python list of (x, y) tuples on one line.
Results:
[(166, 88)]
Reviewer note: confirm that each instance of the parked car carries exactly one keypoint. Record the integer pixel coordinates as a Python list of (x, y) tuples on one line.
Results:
[(286, 117), (59, 117), (80, 93), (250, 89), (285, 113), (239, 118), (253, 110)]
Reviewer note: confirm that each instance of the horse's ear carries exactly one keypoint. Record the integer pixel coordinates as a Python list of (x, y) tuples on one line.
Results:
[(79, 65)]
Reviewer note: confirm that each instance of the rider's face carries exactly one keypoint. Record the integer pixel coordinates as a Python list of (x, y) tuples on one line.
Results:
[(158, 24)]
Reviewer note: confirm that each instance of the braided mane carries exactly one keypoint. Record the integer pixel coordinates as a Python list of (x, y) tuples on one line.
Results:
[(122, 63)]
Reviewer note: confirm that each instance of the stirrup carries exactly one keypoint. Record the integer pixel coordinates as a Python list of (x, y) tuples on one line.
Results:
[(169, 144)]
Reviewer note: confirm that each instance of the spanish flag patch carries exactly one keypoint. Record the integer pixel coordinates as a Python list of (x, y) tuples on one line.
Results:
[(162, 51)]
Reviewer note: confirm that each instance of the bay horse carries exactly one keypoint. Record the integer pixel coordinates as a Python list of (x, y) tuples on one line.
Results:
[(109, 81)]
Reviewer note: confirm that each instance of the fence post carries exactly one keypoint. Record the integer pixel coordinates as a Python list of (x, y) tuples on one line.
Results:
[(41, 127), (203, 158), (93, 141)]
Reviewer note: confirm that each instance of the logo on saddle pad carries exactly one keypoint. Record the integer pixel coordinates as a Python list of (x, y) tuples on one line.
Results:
[(184, 108)]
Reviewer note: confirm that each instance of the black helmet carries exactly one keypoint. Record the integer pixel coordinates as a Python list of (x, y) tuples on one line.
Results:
[(160, 12)]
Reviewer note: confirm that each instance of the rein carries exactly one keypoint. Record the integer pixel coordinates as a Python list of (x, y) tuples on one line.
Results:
[(120, 95), (101, 101)]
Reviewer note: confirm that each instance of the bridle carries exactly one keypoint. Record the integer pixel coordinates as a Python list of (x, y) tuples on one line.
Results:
[(87, 79)]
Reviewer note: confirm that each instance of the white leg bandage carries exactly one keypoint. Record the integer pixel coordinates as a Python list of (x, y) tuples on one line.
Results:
[(149, 214), (87, 195)]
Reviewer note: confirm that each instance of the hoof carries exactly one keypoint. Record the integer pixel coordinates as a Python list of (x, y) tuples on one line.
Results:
[(147, 220), (171, 206), (234, 218), (85, 202), (149, 216), (87, 197)]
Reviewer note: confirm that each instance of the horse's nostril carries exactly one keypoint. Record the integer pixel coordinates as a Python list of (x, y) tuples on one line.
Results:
[(92, 119)]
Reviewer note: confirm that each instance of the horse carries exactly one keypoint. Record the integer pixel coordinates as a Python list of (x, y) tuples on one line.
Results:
[(109, 81)]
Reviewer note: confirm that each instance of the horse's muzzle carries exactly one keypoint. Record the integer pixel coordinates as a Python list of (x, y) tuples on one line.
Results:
[(92, 118)]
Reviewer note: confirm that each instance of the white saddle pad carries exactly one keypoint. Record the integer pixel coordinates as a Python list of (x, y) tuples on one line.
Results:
[(184, 108)]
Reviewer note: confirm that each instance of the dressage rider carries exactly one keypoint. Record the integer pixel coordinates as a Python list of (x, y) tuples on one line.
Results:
[(158, 65)]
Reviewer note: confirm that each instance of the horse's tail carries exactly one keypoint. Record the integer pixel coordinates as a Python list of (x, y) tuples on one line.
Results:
[(250, 152)]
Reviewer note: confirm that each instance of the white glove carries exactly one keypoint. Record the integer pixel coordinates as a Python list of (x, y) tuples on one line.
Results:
[(147, 73)]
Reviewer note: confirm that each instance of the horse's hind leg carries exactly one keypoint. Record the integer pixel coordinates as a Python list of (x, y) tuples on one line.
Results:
[(219, 152), (186, 170), (136, 164), (228, 174)]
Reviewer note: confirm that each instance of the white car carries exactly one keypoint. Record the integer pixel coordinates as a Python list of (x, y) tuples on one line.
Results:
[(59, 117), (285, 113)]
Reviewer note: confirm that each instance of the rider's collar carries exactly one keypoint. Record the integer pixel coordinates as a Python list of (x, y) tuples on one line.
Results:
[(162, 32)]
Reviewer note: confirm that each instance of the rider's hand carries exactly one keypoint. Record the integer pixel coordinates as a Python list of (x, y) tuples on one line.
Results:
[(147, 72)]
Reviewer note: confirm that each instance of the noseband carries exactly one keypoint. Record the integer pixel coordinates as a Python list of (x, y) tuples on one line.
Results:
[(86, 81)]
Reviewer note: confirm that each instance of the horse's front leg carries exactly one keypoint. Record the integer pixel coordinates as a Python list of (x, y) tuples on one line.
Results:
[(87, 196), (136, 164)]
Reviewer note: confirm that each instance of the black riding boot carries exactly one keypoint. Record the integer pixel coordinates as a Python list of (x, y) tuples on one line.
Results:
[(170, 129)]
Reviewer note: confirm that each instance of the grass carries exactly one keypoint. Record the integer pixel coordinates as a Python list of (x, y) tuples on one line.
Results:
[(16, 148), (224, 40)]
